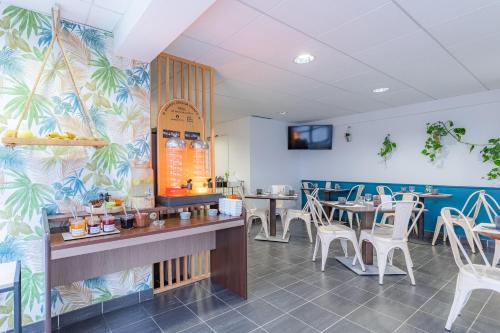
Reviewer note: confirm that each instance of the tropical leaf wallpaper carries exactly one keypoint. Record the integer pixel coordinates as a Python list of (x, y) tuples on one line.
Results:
[(116, 94)]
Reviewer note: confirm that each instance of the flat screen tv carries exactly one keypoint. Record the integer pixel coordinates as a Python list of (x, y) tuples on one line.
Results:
[(314, 137)]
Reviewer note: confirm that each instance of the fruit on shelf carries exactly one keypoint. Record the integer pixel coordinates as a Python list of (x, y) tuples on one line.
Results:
[(63, 136), (25, 134)]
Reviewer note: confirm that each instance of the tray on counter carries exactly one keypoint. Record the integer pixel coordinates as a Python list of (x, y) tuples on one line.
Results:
[(101, 210), (68, 237)]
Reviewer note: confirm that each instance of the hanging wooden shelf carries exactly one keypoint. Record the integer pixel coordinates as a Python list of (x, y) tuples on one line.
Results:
[(16, 140), (54, 142)]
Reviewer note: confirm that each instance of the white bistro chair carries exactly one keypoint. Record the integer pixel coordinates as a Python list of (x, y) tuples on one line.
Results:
[(303, 215), (281, 208), (328, 232), (253, 213), (353, 195), (386, 239), (470, 276), (478, 199), (401, 197)]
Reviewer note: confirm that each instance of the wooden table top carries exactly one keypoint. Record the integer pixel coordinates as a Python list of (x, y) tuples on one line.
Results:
[(429, 195), (491, 233), (171, 224), (334, 189), (272, 196), (359, 208)]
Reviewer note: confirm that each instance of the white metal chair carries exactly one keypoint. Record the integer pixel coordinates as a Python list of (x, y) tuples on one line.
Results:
[(386, 217), (253, 213), (353, 195), (470, 217), (328, 232), (386, 239), (281, 209), (303, 215), (470, 276), (493, 208)]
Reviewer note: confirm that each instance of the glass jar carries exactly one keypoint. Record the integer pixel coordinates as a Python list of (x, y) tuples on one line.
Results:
[(142, 179), (93, 224), (175, 157), (198, 161), (108, 223), (77, 227)]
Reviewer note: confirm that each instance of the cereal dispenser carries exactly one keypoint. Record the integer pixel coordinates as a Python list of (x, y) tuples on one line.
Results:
[(175, 149), (199, 169), (142, 185)]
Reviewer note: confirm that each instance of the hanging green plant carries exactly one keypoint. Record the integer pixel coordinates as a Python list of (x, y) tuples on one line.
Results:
[(387, 148), (438, 130)]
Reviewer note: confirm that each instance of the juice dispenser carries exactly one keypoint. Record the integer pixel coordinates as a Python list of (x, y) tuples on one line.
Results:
[(175, 164), (199, 166), (142, 185)]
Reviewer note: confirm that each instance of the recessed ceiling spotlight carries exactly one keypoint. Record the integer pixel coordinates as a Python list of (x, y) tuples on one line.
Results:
[(283, 113), (380, 90), (303, 58)]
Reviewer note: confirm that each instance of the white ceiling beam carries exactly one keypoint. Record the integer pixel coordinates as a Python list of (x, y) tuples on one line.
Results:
[(149, 26)]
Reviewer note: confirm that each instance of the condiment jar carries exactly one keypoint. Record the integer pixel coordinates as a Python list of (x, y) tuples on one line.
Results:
[(77, 227), (127, 221), (142, 220), (93, 224), (108, 223)]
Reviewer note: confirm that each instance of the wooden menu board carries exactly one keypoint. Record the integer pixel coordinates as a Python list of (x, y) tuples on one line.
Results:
[(177, 118)]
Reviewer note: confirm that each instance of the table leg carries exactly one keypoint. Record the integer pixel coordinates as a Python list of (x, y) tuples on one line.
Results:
[(421, 223), (367, 247), (272, 217), (17, 300), (327, 197)]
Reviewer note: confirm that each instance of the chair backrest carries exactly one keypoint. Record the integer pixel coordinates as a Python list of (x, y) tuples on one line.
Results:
[(247, 205), (456, 246), (355, 192), (307, 206), (382, 189), (475, 202), (408, 196), (402, 216), (317, 211)]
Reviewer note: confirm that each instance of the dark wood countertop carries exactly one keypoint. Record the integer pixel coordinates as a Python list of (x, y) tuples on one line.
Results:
[(171, 224)]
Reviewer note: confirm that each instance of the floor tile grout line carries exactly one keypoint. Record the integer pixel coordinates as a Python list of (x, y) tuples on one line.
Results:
[(479, 313)]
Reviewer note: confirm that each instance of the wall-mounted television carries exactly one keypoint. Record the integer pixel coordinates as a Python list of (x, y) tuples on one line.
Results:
[(314, 137)]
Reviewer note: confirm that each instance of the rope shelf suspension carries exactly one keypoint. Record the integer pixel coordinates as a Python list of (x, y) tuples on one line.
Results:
[(72, 140)]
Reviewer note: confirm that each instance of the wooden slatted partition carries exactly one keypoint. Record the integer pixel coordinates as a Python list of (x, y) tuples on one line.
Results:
[(181, 271), (177, 78)]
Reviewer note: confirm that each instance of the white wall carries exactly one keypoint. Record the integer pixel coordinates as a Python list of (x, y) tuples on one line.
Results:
[(236, 157), (358, 160), (271, 161)]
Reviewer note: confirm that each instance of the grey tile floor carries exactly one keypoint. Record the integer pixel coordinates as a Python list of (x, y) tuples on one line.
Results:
[(289, 293)]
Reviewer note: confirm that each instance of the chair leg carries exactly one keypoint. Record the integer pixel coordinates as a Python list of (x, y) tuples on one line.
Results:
[(341, 213), (357, 221), (286, 225), (349, 218), (343, 243), (439, 224), (390, 256), (316, 247), (308, 227), (462, 294), (409, 263), (357, 255), (496, 255), (325, 245), (470, 239), (249, 224), (381, 263), (264, 226)]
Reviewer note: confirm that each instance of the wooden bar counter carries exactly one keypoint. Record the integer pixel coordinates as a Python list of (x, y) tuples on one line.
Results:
[(224, 236)]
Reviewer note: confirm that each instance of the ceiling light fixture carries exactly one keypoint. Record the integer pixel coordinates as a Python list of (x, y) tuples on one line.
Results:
[(380, 90), (283, 113), (303, 58)]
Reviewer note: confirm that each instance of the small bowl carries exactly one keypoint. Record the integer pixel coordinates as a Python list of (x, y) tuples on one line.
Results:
[(212, 212), (185, 215)]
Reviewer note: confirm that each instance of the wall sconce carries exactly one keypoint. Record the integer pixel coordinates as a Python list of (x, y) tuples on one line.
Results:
[(347, 134)]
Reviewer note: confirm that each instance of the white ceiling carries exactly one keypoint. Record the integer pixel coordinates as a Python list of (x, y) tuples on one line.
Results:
[(102, 14), (421, 49)]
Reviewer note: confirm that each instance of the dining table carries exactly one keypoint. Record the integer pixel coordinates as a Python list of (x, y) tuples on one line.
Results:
[(489, 232), (273, 198), (366, 213)]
